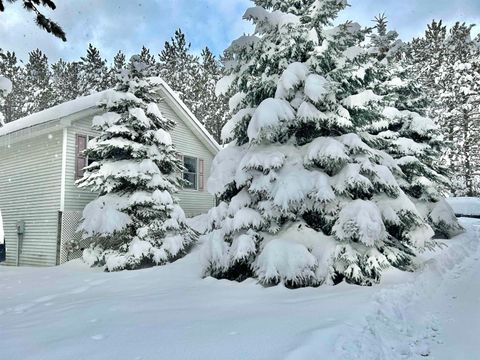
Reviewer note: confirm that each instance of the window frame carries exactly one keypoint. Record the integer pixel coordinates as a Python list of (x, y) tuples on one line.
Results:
[(79, 173), (196, 173)]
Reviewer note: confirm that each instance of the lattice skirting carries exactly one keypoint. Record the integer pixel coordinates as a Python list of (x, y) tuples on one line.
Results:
[(69, 221)]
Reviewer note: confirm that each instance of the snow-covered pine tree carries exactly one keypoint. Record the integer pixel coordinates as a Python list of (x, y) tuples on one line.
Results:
[(427, 54), (136, 220), (407, 134), (149, 60), (308, 196), (385, 43), (447, 64), (458, 84), (65, 81), (5, 89), (118, 66), (212, 110), (180, 70), (37, 84), (10, 69), (94, 72)]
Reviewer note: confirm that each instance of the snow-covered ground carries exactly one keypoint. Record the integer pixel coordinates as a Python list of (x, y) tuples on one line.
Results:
[(465, 206), (171, 313)]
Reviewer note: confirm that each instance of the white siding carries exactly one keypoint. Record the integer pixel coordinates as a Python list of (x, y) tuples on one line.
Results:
[(30, 190), (192, 202), (31, 181), (75, 198), (188, 144)]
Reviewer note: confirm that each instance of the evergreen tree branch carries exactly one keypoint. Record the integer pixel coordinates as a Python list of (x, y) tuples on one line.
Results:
[(41, 20)]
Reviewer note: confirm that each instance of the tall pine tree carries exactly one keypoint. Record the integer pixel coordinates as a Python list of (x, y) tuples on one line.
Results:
[(66, 80), (447, 65), (136, 220), (309, 193), (37, 84), (118, 66), (212, 109), (94, 72), (180, 69), (13, 102), (5, 89)]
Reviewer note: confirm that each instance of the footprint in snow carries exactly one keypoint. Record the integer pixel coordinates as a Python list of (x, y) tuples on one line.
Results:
[(98, 282), (45, 298), (79, 290), (19, 309)]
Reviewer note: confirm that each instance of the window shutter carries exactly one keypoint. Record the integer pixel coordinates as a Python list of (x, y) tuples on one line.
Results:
[(80, 158), (201, 181)]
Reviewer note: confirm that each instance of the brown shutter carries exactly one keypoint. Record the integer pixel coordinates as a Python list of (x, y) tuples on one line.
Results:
[(80, 158), (201, 182)]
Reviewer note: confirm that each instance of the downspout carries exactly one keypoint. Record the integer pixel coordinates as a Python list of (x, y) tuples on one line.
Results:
[(64, 169), (62, 193)]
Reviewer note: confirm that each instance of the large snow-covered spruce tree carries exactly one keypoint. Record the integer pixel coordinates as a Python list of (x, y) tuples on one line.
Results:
[(405, 131), (136, 220), (309, 194)]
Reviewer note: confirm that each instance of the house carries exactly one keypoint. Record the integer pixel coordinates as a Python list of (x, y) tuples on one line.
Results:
[(41, 157)]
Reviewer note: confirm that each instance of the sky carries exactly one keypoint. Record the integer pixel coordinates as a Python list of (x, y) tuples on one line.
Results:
[(112, 25)]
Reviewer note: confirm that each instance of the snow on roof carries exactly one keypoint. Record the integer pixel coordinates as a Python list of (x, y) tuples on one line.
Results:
[(53, 113), (90, 101)]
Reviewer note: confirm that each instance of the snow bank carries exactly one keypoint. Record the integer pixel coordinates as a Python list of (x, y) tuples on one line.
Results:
[(88, 311), (405, 319), (466, 206)]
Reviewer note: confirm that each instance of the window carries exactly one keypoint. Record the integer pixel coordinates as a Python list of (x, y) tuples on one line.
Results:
[(193, 173), (81, 160), (190, 174)]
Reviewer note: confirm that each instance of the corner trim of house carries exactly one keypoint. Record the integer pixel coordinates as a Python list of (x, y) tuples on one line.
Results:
[(64, 169)]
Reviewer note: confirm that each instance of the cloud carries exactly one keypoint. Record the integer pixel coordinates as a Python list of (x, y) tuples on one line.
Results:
[(112, 25), (124, 24), (410, 17)]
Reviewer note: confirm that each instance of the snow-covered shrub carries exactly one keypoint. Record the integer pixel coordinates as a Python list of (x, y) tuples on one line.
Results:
[(136, 220), (315, 182), (444, 220)]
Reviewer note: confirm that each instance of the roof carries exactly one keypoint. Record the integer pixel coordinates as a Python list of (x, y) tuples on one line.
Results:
[(88, 102), (53, 113)]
